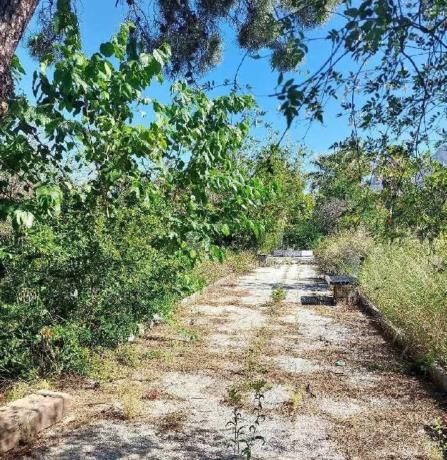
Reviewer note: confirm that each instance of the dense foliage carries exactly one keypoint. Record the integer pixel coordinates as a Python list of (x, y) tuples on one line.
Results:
[(105, 221), (286, 217), (384, 214), (344, 252), (390, 192)]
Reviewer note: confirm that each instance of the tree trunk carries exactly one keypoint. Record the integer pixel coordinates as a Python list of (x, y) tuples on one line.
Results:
[(14, 17)]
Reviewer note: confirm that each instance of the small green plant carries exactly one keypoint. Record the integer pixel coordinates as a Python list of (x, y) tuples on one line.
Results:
[(130, 397), (189, 334), (234, 396), (245, 435), (253, 435), (278, 294), (296, 399), (127, 355), (104, 366), (237, 429)]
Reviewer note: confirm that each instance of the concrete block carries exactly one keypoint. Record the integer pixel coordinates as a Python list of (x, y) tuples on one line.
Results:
[(317, 300), (23, 419)]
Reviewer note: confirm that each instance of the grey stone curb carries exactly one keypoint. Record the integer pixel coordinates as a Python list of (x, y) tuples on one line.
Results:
[(437, 373)]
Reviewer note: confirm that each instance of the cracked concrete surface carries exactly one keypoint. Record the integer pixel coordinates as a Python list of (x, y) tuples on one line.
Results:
[(335, 388)]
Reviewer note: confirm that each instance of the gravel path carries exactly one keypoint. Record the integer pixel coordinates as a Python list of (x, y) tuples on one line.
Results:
[(332, 387)]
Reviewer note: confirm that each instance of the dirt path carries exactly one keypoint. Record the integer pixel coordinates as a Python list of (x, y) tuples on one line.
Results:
[(333, 389)]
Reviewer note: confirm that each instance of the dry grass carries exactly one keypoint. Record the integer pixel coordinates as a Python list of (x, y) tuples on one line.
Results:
[(407, 282), (236, 263), (172, 422), (21, 389)]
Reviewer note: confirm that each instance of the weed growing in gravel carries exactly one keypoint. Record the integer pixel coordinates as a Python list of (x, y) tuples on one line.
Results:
[(295, 401), (188, 334), (131, 397), (278, 294), (244, 433), (236, 423), (254, 365)]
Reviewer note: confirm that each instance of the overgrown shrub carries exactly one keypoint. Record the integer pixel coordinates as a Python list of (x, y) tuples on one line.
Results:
[(407, 280), (84, 281), (80, 281), (343, 253)]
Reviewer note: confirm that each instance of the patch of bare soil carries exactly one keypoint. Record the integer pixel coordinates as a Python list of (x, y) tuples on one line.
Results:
[(313, 382)]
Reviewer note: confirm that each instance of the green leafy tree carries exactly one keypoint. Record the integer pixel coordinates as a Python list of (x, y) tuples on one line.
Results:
[(388, 60), (389, 192), (82, 130), (110, 216), (285, 208)]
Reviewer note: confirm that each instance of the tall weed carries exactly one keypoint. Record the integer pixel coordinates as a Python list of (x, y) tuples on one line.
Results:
[(407, 280), (343, 253)]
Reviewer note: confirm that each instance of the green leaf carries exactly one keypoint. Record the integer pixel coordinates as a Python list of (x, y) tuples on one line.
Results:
[(280, 78), (49, 198), (225, 229), (107, 49)]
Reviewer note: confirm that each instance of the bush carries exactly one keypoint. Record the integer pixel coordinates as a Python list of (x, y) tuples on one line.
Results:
[(407, 280), (302, 235), (343, 253), (81, 281)]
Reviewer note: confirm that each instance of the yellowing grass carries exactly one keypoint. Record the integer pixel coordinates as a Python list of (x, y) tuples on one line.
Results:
[(407, 280)]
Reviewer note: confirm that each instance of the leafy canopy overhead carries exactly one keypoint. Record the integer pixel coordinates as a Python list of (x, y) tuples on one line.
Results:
[(388, 65), (385, 63), (80, 140), (195, 28)]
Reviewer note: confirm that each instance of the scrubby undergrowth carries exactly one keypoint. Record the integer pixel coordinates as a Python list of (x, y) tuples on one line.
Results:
[(53, 335), (343, 253), (407, 280)]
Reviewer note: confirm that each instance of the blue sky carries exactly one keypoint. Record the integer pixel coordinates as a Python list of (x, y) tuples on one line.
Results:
[(99, 20)]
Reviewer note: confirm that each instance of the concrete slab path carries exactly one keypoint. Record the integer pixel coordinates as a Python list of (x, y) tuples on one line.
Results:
[(332, 387)]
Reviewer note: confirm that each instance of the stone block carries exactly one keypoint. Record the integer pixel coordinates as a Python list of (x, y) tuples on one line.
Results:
[(23, 419)]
